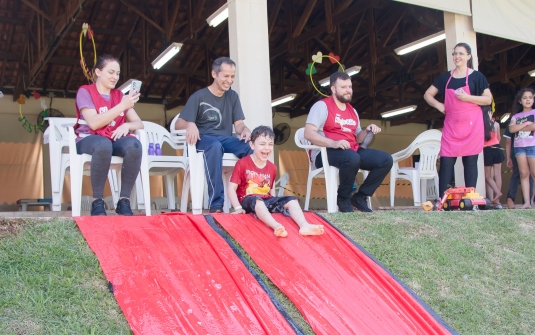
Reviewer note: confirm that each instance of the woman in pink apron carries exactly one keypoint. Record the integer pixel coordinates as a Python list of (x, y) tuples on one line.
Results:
[(464, 90)]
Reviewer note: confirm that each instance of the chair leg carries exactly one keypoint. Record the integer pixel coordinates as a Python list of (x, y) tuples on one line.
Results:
[(170, 190), (185, 193), (196, 181), (76, 188), (331, 185), (392, 187), (416, 190), (307, 196)]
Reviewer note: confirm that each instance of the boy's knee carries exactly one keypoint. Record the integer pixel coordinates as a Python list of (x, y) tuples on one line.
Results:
[(260, 203)]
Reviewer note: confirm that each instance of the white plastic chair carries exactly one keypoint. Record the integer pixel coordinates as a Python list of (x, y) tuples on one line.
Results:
[(196, 171), (167, 166), (160, 203), (280, 184), (330, 173), (81, 165), (428, 143), (86, 202), (108, 201)]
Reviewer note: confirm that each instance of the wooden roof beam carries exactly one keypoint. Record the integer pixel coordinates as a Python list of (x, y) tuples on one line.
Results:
[(145, 17), (273, 17), (36, 8), (305, 15)]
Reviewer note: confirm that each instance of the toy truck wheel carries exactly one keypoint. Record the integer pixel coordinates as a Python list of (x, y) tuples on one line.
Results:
[(447, 206), (465, 205), (487, 204)]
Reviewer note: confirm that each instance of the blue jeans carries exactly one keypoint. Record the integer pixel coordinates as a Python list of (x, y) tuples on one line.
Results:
[(214, 147), (349, 162)]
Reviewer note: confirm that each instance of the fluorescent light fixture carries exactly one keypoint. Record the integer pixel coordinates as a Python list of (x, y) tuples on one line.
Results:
[(353, 70), (281, 100), (421, 43), (350, 72), (399, 111), (531, 73), (125, 88), (165, 56), (505, 117), (219, 16)]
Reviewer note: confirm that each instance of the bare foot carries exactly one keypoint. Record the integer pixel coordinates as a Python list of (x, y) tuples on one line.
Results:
[(510, 203), (311, 229), (526, 206), (497, 198), (280, 231)]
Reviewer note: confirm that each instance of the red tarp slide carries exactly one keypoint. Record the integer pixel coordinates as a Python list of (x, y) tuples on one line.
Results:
[(335, 285), (176, 275)]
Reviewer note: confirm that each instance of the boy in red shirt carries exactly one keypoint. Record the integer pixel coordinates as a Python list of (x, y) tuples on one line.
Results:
[(251, 189)]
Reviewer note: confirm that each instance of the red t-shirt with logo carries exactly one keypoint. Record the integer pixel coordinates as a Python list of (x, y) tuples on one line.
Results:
[(253, 180)]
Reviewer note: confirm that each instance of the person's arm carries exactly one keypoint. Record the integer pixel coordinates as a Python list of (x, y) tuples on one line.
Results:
[(508, 152), (514, 127), (96, 121), (312, 135), (373, 128), (484, 100), (192, 132), (133, 123), (242, 130), (233, 197), (429, 97)]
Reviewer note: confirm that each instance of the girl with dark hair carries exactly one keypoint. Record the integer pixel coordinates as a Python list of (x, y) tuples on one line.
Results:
[(523, 124), (106, 118), (492, 157), (464, 90)]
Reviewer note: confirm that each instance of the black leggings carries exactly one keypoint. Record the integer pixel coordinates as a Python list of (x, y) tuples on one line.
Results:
[(446, 173), (101, 149)]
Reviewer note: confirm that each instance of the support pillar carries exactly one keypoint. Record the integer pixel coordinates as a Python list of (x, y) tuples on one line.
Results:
[(249, 48), (459, 29)]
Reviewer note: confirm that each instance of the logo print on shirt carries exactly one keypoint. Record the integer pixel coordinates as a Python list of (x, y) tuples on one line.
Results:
[(343, 122), (103, 110), (214, 114)]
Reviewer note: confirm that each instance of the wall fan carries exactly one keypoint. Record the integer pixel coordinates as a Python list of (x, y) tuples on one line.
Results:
[(282, 133), (49, 112)]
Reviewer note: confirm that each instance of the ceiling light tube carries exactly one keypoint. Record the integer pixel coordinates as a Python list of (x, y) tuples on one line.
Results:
[(421, 43), (531, 73), (165, 56), (281, 100), (353, 70), (125, 88), (399, 111), (219, 16), (325, 81), (505, 117)]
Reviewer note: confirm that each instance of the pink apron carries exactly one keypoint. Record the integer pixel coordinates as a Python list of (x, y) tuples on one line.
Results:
[(463, 132)]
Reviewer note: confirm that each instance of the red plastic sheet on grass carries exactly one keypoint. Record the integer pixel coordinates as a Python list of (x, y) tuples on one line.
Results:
[(337, 288), (175, 275)]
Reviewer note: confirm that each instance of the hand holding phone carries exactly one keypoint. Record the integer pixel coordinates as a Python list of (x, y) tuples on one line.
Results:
[(136, 87), (459, 90)]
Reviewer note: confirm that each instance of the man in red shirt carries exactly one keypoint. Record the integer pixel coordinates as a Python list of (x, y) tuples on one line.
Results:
[(335, 124)]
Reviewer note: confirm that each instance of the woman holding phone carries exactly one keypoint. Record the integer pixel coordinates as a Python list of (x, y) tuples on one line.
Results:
[(106, 118), (464, 90)]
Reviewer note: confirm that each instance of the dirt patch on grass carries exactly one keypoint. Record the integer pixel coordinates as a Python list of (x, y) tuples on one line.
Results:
[(11, 226)]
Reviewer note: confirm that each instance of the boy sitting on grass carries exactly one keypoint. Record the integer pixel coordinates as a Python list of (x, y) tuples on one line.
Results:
[(251, 189)]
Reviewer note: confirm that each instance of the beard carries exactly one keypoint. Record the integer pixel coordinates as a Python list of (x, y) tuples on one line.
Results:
[(343, 99)]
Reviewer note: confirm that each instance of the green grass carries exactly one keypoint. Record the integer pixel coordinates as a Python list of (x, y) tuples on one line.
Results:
[(475, 269), (51, 282)]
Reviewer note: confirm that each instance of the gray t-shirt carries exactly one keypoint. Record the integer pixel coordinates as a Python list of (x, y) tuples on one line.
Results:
[(213, 115), (317, 116)]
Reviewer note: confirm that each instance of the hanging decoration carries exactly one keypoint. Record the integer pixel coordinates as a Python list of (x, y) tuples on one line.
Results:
[(86, 31), (25, 123), (317, 58)]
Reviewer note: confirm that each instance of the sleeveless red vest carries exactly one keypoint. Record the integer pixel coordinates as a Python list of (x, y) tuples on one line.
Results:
[(341, 125), (102, 106)]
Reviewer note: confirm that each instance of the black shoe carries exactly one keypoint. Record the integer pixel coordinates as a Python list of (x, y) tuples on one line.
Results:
[(344, 206), (216, 209), (359, 202), (97, 208), (123, 207)]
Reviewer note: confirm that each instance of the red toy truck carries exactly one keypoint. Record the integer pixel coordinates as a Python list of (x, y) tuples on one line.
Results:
[(463, 198)]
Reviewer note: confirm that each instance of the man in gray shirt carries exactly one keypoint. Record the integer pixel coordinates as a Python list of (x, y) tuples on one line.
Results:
[(208, 118), (335, 124)]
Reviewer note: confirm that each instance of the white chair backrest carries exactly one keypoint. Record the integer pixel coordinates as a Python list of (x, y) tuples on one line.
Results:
[(431, 134), (86, 202), (429, 151), (159, 135), (160, 203)]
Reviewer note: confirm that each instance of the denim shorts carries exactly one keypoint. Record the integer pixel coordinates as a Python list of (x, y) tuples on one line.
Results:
[(273, 204), (525, 151)]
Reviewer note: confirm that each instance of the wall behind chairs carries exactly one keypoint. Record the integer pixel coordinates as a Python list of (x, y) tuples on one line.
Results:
[(24, 160)]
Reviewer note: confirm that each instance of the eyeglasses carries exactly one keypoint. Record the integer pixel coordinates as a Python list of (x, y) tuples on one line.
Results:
[(459, 54)]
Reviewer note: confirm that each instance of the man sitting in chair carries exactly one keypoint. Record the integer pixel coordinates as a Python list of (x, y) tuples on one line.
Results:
[(208, 118), (335, 124)]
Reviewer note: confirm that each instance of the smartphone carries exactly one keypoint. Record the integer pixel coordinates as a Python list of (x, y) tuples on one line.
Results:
[(136, 87)]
